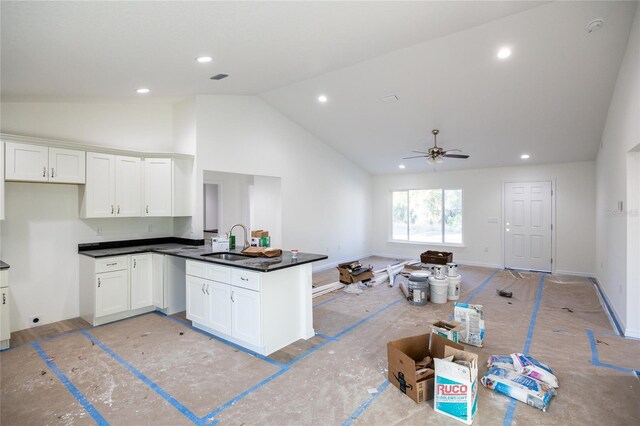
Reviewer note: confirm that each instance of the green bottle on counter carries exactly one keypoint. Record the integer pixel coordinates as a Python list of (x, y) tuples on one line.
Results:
[(232, 242)]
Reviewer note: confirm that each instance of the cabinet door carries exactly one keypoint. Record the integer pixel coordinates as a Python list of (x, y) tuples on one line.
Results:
[(141, 283), (197, 300), (1, 180), (66, 165), (219, 295), (245, 310), (112, 292), (100, 190), (26, 162), (157, 187), (128, 186), (160, 297), (5, 326)]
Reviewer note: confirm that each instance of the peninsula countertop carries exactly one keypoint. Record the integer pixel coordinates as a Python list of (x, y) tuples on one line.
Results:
[(200, 252), (3, 265)]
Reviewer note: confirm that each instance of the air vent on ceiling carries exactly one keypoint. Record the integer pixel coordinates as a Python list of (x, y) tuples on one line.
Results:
[(219, 76), (390, 98)]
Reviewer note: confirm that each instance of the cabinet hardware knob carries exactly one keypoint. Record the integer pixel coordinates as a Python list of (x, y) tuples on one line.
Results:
[(118, 208), (244, 279), (207, 289), (147, 208), (52, 172), (232, 299), (111, 208), (44, 171), (134, 263), (98, 282), (4, 298), (112, 264), (203, 288)]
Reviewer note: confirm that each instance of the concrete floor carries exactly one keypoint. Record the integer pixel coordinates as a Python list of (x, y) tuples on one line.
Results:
[(154, 369)]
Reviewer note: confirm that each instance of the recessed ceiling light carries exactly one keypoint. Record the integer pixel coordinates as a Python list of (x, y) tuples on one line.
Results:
[(322, 98), (142, 90), (401, 166), (525, 156), (204, 59), (504, 53)]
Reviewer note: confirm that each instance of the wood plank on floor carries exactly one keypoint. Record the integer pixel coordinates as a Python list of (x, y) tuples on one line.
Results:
[(46, 331)]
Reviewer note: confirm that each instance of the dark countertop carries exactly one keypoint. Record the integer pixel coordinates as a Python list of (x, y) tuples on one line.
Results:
[(191, 252), (3, 265)]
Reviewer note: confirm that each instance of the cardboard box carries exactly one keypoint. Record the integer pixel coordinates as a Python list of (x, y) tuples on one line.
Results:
[(347, 278), (436, 257), (402, 355), (456, 385), (448, 329)]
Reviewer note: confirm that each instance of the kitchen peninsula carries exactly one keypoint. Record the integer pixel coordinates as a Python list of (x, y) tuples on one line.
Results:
[(262, 304)]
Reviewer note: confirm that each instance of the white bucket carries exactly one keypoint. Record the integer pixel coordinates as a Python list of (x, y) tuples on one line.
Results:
[(454, 287), (421, 274), (438, 289), (453, 269), (439, 271)]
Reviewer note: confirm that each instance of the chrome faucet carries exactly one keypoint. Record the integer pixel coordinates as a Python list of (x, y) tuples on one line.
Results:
[(244, 228)]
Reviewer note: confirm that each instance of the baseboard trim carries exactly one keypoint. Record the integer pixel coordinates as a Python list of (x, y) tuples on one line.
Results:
[(325, 266), (577, 274), (614, 318), (630, 332)]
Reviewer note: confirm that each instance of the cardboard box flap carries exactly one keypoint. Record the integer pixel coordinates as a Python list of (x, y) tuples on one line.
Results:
[(438, 346), (415, 347), (461, 355)]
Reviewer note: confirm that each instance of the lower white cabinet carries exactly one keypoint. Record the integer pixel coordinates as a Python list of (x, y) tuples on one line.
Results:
[(117, 287), (5, 321), (262, 312), (112, 292), (141, 280)]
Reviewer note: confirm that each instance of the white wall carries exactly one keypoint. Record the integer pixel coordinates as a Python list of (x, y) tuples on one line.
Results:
[(326, 199), (617, 231), (42, 229), (234, 199), (137, 127), (210, 206), (482, 199), (266, 207)]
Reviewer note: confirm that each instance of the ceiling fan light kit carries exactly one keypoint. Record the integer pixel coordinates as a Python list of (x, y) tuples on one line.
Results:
[(436, 154)]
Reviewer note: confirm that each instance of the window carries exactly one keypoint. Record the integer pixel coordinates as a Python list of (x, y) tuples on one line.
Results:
[(427, 216)]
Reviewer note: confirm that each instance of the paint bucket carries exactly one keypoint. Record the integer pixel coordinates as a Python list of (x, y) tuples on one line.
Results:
[(452, 269), (439, 272), (439, 287), (421, 274), (454, 287), (419, 290)]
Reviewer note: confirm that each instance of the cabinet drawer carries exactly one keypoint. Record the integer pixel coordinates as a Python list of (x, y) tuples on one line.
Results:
[(108, 264), (209, 271), (245, 279)]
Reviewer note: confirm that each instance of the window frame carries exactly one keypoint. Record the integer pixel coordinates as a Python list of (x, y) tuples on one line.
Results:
[(442, 219)]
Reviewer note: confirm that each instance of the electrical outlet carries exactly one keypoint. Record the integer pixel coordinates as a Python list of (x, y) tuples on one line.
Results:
[(99, 230), (34, 320)]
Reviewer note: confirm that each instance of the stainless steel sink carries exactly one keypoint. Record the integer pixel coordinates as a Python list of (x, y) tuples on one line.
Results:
[(233, 257)]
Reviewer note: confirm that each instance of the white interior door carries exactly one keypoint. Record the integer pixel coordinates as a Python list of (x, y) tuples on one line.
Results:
[(527, 225)]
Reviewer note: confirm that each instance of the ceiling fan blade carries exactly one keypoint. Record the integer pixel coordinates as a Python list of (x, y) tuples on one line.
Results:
[(420, 152), (415, 156), (456, 156), (451, 150)]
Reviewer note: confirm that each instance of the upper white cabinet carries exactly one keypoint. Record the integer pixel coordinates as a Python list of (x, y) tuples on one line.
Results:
[(157, 182), (38, 163), (113, 186), (1, 180)]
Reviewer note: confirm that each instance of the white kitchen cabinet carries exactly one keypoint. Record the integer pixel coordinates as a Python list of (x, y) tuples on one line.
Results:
[(5, 318), (113, 186), (245, 315), (160, 278), (39, 163), (158, 187), (112, 293), (220, 308), (197, 300), (141, 280), (1, 180)]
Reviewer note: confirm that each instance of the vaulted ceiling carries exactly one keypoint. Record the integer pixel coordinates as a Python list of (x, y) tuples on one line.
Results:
[(549, 98)]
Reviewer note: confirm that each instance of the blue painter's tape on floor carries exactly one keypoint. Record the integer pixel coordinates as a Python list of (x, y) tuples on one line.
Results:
[(365, 404), (478, 290), (508, 417), (226, 342), (324, 336), (595, 357), (97, 417), (330, 300), (181, 408)]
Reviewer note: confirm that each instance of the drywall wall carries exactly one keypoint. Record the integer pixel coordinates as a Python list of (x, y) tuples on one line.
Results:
[(210, 206), (234, 199), (616, 229), (482, 199), (42, 229), (326, 199), (138, 127), (265, 204)]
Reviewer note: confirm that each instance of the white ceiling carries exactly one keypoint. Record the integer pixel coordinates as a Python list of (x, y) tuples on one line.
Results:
[(549, 99)]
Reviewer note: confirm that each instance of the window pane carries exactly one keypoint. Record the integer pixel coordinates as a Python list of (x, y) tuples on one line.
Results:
[(400, 211), (453, 216), (425, 216)]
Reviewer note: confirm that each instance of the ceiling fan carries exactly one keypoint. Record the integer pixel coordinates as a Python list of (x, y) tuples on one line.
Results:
[(436, 154)]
